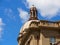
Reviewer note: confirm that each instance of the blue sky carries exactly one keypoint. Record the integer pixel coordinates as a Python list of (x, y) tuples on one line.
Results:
[(13, 14)]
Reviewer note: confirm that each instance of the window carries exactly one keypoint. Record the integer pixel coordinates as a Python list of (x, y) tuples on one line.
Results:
[(52, 40)]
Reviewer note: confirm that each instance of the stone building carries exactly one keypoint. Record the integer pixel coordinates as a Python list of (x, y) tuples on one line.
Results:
[(39, 32)]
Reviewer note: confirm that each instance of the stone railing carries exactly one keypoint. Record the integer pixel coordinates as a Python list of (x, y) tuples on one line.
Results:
[(34, 25), (46, 24), (49, 24)]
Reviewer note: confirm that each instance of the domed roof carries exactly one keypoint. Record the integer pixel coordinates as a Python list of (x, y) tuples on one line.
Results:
[(27, 25)]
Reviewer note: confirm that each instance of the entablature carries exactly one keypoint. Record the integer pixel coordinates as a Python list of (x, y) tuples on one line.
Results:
[(47, 24)]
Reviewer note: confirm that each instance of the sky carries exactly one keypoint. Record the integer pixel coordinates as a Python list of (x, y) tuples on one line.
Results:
[(14, 13)]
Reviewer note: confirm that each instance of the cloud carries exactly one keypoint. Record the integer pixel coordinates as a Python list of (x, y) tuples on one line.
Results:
[(47, 8), (9, 12), (23, 14), (1, 28)]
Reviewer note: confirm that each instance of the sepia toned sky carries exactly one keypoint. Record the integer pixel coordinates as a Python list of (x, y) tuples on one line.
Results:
[(14, 13)]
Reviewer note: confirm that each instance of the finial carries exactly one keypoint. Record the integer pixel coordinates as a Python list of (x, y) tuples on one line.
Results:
[(33, 13), (33, 6)]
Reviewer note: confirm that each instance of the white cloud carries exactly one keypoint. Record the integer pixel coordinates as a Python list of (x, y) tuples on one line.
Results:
[(23, 14), (1, 28), (47, 8), (9, 12)]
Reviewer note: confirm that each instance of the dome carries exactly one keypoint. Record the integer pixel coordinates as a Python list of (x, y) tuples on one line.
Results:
[(24, 27), (27, 25)]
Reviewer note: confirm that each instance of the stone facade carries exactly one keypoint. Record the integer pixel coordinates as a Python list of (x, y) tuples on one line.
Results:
[(39, 32)]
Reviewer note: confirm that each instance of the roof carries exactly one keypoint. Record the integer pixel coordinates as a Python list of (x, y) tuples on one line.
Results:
[(27, 24)]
